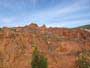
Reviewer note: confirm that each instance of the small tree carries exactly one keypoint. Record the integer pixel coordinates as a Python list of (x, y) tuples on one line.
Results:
[(38, 60), (82, 61), (43, 62)]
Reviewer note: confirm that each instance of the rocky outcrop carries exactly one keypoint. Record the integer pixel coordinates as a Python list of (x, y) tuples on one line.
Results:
[(60, 45)]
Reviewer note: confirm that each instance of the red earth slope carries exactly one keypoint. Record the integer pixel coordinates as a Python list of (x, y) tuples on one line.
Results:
[(60, 45)]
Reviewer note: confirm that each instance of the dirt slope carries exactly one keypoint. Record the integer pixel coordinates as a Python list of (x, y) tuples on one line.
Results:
[(60, 45)]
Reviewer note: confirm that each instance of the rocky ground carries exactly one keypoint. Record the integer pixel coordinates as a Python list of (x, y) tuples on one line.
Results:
[(60, 45)]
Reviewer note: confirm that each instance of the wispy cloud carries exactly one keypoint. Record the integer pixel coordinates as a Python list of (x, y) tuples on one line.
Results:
[(7, 20), (34, 1), (73, 23), (63, 12), (66, 10), (21, 12)]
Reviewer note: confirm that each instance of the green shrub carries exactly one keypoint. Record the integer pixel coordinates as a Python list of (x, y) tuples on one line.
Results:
[(38, 60), (0, 29), (83, 62), (43, 62)]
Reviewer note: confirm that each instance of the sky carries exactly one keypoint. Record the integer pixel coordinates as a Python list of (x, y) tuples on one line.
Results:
[(52, 13)]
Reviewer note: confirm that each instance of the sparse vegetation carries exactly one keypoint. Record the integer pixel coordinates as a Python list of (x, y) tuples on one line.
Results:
[(13, 29), (83, 60), (0, 29), (85, 27), (61, 46), (38, 60)]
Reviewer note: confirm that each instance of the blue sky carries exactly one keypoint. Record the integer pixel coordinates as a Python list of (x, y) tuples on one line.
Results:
[(55, 13)]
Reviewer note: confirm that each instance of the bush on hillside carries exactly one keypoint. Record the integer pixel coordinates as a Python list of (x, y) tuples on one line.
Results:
[(83, 61), (38, 60)]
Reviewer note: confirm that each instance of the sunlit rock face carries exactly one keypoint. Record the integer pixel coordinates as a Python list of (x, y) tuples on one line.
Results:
[(60, 45)]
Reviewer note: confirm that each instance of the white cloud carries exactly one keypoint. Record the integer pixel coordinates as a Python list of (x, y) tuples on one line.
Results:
[(69, 23), (49, 14), (58, 11), (34, 2), (6, 20)]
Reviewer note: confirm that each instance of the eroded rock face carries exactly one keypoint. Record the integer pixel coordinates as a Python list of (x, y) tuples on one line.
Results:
[(60, 45)]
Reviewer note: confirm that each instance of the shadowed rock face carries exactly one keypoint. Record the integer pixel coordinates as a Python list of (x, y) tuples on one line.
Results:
[(60, 45)]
